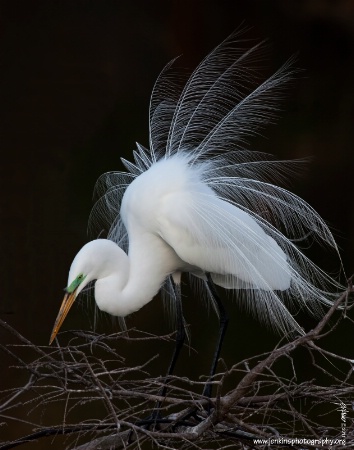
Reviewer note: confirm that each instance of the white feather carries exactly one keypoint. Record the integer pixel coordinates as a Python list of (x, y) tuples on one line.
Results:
[(210, 201)]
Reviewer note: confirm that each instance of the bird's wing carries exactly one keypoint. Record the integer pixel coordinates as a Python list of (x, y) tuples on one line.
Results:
[(220, 238)]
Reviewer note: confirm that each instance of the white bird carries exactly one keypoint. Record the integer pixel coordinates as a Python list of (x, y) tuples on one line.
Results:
[(198, 201)]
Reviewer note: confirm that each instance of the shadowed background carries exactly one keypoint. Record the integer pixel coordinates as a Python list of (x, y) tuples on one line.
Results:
[(76, 77)]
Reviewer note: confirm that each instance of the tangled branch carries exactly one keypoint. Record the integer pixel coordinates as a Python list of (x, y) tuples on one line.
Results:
[(262, 407)]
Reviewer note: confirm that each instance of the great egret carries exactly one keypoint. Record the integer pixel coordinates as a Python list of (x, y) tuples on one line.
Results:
[(198, 201)]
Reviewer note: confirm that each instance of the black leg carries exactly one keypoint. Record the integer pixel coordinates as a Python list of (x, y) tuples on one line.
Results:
[(223, 321), (180, 337)]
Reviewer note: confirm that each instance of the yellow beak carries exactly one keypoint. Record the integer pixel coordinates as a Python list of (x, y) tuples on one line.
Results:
[(63, 312)]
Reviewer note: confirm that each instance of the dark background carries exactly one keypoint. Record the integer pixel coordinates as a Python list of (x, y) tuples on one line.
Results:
[(75, 83)]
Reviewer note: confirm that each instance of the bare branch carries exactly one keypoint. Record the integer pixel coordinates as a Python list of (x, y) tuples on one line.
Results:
[(263, 404)]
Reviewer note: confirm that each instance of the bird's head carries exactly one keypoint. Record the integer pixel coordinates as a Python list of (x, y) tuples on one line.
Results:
[(92, 262)]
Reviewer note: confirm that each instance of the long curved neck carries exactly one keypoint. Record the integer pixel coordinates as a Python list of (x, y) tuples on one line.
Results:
[(136, 277)]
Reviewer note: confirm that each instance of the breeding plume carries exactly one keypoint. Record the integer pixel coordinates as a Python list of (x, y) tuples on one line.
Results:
[(198, 200)]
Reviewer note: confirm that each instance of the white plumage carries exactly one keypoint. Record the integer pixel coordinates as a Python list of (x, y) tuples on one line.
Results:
[(198, 201)]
